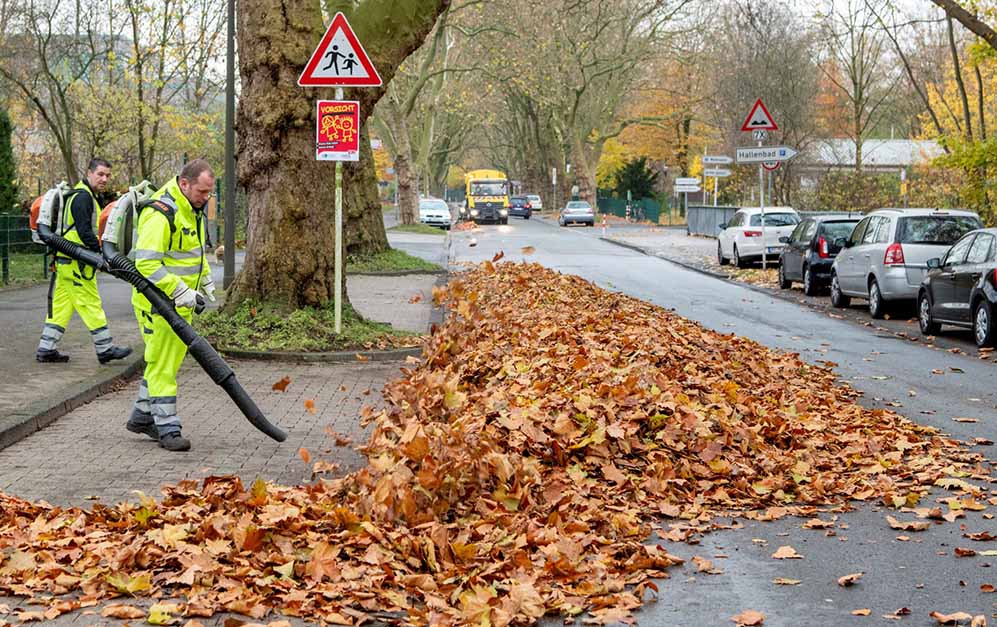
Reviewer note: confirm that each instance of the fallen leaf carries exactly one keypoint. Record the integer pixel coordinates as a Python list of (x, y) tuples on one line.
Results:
[(961, 552), (281, 386), (123, 611), (415, 299), (305, 455), (498, 256), (950, 619), (362, 357), (749, 618), (782, 581), (961, 419), (310, 407), (527, 250), (987, 587), (862, 612), (908, 526), (786, 553), (849, 580)]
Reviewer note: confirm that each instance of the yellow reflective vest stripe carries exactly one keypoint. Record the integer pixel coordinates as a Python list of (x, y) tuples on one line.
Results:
[(168, 256), (68, 222)]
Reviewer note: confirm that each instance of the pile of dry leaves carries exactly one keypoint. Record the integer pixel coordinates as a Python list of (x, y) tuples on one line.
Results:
[(515, 472)]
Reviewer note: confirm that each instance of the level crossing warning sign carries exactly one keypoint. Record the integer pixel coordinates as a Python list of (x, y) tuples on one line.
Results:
[(339, 60)]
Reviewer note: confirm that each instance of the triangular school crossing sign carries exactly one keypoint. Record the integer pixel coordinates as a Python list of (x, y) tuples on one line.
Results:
[(339, 60), (759, 119)]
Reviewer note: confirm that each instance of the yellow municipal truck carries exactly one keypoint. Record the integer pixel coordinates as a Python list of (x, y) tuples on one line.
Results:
[(486, 196)]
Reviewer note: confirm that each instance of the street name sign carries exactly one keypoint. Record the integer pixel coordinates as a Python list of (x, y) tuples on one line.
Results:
[(688, 189), (690, 180), (716, 172), (759, 119), (764, 153), (339, 60), (716, 160)]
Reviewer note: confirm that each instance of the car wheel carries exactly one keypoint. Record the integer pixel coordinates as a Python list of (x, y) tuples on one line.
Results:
[(740, 263), (983, 325), (924, 319), (838, 299), (784, 283), (809, 284), (720, 255), (560, 222), (526, 217), (877, 307)]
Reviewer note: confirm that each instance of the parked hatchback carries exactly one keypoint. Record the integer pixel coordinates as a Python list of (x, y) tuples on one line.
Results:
[(434, 212), (536, 204), (810, 251), (741, 240), (886, 256), (961, 288), (520, 206)]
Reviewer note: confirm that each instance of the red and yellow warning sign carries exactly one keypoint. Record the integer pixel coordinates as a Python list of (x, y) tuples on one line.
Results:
[(337, 130)]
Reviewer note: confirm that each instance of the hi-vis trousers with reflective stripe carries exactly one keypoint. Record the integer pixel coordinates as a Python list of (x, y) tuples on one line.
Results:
[(74, 288), (164, 352)]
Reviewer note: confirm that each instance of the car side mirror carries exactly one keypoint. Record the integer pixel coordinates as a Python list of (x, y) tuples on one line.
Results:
[(934, 263), (722, 225), (783, 240)]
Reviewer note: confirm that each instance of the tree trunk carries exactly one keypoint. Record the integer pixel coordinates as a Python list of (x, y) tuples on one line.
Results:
[(291, 196), (408, 192), (363, 225)]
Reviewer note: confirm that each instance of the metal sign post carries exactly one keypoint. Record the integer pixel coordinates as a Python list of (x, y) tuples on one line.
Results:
[(339, 238)]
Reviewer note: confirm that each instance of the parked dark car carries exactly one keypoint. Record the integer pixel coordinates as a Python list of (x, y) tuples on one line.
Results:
[(520, 206), (960, 289), (810, 251)]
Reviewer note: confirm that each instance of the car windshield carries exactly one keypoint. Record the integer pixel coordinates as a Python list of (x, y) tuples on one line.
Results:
[(834, 230), (579, 205), (488, 188), (533, 198), (433, 205), (775, 219), (944, 230)]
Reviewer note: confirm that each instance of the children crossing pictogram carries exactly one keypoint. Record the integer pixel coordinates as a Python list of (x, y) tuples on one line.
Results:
[(339, 60)]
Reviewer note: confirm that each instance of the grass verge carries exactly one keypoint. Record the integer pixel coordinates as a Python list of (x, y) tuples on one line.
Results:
[(259, 327), (25, 269), (424, 229), (390, 260)]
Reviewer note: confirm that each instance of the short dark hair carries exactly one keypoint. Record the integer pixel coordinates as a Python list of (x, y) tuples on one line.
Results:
[(192, 170), (96, 162)]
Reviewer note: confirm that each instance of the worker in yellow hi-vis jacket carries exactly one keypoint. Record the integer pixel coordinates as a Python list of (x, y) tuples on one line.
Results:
[(169, 252), (74, 284)]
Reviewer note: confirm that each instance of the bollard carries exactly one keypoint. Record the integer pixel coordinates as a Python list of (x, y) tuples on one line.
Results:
[(604, 226)]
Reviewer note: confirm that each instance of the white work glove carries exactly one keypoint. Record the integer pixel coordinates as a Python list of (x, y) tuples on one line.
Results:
[(183, 296), (209, 288)]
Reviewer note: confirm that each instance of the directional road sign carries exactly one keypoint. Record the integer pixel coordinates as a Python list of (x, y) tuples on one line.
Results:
[(759, 119), (689, 189), (690, 180), (339, 60), (716, 160), (716, 172), (765, 153)]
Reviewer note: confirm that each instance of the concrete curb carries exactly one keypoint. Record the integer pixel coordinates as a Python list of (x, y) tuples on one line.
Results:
[(35, 416), (397, 273), (396, 354)]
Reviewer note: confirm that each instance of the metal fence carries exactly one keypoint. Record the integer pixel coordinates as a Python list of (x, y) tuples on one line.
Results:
[(17, 248), (643, 209), (706, 220)]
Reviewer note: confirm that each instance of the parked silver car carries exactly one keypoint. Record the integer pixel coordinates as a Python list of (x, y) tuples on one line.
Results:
[(886, 256)]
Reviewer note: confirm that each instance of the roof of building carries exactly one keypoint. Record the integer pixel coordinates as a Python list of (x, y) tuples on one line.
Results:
[(876, 153)]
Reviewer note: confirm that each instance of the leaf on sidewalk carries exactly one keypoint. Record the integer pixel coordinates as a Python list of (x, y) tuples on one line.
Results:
[(310, 406), (786, 552), (749, 618), (281, 386), (849, 580)]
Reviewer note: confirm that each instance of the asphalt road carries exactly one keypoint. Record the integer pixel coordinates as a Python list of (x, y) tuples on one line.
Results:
[(922, 574)]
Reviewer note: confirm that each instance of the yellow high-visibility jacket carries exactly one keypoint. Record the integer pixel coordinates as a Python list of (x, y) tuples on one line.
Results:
[(167, 254)]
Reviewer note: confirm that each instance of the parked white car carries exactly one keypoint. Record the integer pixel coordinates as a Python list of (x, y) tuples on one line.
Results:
[(886, 256), (535, 203), (742, 241), (434, 212)]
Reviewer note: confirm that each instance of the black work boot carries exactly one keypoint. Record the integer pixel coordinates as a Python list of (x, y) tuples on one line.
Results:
[(51, 357), (115, 352), (141, 422), (173, 441)]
